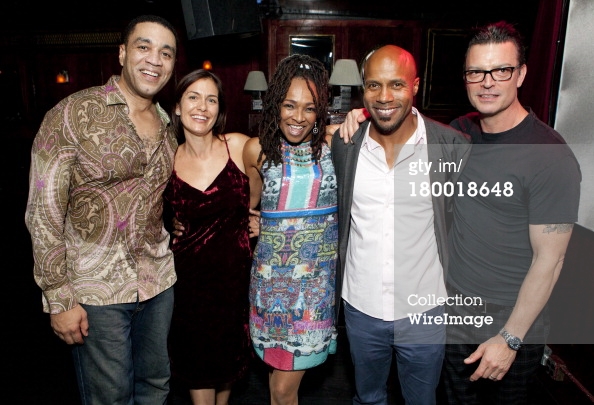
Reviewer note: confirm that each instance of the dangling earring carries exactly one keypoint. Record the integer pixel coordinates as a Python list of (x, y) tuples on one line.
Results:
[(315, 129)]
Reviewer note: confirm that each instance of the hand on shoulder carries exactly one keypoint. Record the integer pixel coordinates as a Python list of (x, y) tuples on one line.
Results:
[(352, 122)]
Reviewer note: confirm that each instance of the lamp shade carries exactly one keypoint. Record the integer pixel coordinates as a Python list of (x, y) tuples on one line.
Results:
[(345, 73), (256, 81)]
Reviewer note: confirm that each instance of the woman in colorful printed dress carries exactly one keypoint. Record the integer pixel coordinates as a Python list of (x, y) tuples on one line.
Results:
[(292, 286)]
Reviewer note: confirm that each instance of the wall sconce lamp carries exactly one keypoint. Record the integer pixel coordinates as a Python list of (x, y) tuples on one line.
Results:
[(256, 83), (207, 65), (345, 75), (62, 77)]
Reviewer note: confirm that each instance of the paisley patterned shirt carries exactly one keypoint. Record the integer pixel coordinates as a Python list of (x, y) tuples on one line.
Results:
[(95, 203)]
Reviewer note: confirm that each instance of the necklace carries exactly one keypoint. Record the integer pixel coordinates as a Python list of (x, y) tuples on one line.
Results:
[(297, 155)]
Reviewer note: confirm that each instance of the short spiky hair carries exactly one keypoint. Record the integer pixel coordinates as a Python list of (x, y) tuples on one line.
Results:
[(314, 72), (498, 33), (147, 18), (180, 89)]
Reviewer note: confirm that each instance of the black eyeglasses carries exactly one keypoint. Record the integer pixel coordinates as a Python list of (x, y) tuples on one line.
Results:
[(501, 74)]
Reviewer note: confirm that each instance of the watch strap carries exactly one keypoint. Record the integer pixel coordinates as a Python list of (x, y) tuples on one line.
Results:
[(512, 341)]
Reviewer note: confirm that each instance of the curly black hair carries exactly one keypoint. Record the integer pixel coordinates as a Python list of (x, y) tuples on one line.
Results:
[(316, 76)]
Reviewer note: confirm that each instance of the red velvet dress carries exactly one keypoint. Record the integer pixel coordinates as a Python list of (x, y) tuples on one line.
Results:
[(209, 340)]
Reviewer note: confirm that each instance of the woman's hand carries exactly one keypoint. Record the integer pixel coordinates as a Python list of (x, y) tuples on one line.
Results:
[(254, 223)]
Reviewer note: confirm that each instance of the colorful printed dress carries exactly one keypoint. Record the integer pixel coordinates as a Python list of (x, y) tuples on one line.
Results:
[(294, 266)]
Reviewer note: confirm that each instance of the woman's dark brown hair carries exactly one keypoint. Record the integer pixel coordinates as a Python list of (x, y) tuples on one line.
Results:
[(182, 86)]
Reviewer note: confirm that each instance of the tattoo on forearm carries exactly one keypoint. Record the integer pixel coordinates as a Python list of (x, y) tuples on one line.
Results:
[(559, 228)]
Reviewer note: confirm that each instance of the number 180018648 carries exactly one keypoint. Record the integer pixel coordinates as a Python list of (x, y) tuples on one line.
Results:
[(471, 189)]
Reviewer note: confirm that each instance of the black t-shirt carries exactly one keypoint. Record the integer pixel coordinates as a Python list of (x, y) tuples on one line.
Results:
[(527, 175)]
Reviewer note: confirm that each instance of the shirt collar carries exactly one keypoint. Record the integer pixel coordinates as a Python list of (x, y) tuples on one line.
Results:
[(420, 135), (114, 96)]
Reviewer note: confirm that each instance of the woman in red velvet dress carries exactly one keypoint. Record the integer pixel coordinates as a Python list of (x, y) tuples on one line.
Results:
[(209, 194)]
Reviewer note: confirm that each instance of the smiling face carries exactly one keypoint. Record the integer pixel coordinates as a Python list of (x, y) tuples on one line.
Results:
[(490, 97), (198, 108), (147, 59), (389, 88), (298, 112)]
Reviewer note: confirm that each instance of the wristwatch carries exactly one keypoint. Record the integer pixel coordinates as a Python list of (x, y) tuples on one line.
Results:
[(513, 342)]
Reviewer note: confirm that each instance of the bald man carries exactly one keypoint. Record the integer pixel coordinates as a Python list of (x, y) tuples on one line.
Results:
[(392, 179)]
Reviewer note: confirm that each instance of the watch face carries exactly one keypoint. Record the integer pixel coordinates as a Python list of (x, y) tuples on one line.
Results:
[(514, 343)]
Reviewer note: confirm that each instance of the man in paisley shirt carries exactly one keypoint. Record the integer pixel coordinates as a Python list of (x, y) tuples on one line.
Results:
[(99, 165)]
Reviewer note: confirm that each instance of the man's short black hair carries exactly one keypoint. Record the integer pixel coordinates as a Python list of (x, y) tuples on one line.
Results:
[(499, 33), (147, 18)]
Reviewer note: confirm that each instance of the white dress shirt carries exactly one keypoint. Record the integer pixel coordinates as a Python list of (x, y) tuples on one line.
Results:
[(392, 260)]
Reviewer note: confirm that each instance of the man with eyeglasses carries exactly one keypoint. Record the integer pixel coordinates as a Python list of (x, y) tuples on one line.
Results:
[(511, 226), (514, 207)]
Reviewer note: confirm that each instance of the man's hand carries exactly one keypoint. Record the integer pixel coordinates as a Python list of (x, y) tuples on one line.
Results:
[(352, 123), (331, 129), (254, 223), (178, 229), (496, 359), (71, 326)]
